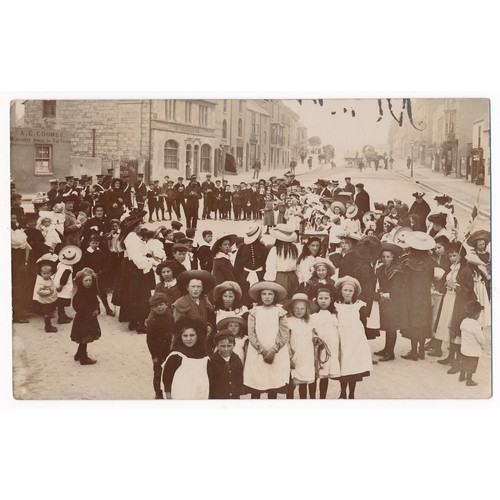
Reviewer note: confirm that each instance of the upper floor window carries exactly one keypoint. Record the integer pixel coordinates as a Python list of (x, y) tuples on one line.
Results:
[(188, 108), (203, 118), (240, 128), (225, 106), (224, 129), (240, 107), (49, 109), (171, 110)]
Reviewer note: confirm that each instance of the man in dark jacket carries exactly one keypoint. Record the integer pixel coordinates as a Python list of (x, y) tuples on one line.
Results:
[(140, 190), (349, 187), (207, 188), (362, 199), (193, 196)]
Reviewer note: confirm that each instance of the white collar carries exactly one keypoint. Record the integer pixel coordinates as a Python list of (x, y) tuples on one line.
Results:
[(171, 284), (90, 250), (222, 255)]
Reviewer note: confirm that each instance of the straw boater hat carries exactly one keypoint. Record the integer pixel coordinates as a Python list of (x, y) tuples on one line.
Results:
[(351, 211), (419, 240), (338, 204), (224, 287), (204, 276), (478, 235), (223, 323), (300, 297), (368, 248), (391, 247), (49, 259), (230, 236), (283, 232), (278, 289), (70, 255), (252, 234), (350, 280), (321, 261), (400, 235)]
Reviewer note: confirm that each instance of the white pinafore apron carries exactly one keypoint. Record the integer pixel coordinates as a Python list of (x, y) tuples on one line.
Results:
[(191, 378), (258, 374)]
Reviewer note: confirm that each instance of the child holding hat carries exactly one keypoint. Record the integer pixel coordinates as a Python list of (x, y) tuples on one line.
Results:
[(355, 353), (301, 345), (267, 365)]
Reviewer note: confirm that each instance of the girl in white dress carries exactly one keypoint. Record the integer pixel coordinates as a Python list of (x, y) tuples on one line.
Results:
[(301, 344), (185, 375), (267, 364), (355, 354), (326, 327)]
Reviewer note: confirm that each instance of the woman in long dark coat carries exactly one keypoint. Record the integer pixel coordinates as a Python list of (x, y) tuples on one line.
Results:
[(115, 200), (418, 268), (392, 298)]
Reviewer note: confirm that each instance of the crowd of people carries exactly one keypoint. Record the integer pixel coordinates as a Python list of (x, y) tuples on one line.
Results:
[(290, 302)]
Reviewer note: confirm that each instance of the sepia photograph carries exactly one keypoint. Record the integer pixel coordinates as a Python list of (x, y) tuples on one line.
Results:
[(251, 248)]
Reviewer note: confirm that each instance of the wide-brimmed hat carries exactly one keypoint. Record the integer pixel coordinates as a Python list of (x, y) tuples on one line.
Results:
[(133, 219), (300, 297), (391, 220), (367, 217), (399, 236), (351, 211), (338, 204), (86, 271), (159, 231), (252, 234), (205, 277), (438, 218), (444, 198), (40, 198), (70, 255), (354, 237), (321, 261), (225, 286), (391, 247), (368, 248), (48, 259), (478, 235), (419, 194), (224, 322), (170, 264), (284, 232), (456, 246), (278, 289), (229, 236), (352, 281), (419, 240)]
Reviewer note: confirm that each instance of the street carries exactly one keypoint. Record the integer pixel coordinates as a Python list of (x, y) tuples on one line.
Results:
[(44, 367)]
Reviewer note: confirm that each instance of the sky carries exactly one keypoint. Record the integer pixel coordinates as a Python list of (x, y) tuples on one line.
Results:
[(347, 133)]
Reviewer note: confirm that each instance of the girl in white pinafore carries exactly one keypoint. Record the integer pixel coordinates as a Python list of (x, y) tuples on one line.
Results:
[(326, 327), (185, 375), (355, 354), (267, 364), (301, 327)]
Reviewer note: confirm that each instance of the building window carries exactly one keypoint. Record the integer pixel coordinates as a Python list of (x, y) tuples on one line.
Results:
[(225, 106), (170, 111), (43, 159), (188, 107), (205, 158), (49, 109), (171, 152), (203, 117), (224, 129), (265, 137), (240, 107), (240, 128)]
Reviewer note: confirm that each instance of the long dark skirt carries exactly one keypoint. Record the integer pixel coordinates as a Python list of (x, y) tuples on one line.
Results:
[(132, 293), (420, 333), (85, 328)]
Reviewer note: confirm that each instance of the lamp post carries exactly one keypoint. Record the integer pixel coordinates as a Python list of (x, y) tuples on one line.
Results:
[(411, 162)]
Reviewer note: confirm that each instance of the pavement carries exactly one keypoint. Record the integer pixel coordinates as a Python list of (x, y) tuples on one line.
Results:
[(463, 192)]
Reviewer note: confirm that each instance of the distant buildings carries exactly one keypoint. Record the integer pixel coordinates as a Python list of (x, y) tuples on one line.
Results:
[(156, 137), (453, 137)]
